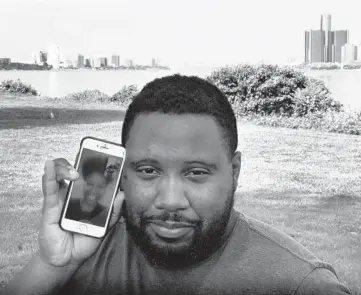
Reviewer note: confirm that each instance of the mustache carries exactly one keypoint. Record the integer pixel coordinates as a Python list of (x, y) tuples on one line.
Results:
[(171, 217)]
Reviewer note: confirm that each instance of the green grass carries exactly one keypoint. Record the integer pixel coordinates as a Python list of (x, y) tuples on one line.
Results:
[(305, 183)]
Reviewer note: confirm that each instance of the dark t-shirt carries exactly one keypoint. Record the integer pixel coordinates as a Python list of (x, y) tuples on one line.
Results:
[(97, 216), (254, 259)]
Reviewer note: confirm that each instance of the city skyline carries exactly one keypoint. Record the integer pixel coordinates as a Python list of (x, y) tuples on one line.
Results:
[(210, 32)]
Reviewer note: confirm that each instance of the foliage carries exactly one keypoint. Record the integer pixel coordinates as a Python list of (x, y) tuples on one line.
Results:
[(125, 95), (24, 67), (329, 121), (17, 87), (271, 89), (88, 95)]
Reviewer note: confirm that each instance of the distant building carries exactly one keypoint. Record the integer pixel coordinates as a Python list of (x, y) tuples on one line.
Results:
[(324, 45), (154, 63), (103, 61), (4, 61), (348, 53), (358, 53), (115, 61), (41, 57), (326, 27), (88, 63), (54, 56), (80, 61), (314, 40), (340, 39), (129, 63)]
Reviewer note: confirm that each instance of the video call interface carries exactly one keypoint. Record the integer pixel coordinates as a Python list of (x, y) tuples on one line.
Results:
[(92, 193)]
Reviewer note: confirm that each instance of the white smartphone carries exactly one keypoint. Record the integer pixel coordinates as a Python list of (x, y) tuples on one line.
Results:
[(89, 201)]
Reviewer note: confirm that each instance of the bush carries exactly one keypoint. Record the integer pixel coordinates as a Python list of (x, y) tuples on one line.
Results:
[(272, 90), (125, 95), (88, 95), (17, 87), (338, 122)]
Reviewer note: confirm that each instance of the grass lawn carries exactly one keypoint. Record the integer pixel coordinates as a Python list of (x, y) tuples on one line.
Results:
[(305, 183)]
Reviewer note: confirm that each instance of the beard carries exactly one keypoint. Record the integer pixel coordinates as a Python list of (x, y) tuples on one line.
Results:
[(204, 240)]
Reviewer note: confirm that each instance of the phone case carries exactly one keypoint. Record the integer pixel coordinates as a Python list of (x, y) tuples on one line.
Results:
[(76, 161)]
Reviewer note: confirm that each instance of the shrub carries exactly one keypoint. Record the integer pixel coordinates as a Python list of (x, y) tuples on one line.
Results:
[(17, 87), (88, 95), (125, 95), (272, 90), (330, 121)]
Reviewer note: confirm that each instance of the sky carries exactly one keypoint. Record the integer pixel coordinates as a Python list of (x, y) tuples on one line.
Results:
[(177, 33)]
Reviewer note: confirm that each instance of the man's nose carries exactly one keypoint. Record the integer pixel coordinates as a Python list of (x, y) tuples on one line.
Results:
[(170, 194)]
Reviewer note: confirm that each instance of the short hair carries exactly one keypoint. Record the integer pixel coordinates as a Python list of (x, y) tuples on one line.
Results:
[(177, 94), (93, 165)]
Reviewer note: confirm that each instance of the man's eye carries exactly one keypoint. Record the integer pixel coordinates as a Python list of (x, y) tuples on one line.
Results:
[(199, 173), (147, 170)]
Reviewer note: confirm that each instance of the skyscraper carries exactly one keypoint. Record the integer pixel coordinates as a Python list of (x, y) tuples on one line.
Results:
[(80, 61), (324, 45), (316, 46), (326, 27), (115, 61), (340, 39), (348, 53)]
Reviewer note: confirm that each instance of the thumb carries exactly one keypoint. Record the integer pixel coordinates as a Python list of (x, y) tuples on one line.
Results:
[(116, 212)]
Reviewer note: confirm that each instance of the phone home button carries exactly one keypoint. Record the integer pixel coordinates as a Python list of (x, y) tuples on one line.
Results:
[(83, 228)]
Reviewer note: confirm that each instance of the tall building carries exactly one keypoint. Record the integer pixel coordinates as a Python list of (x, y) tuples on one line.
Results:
[(103, 61), (54, 56), (88, 63), (41, 57), (315, 40), (154, 63), (326, 27), (80, 61), (348, 53), (115, 61), (340, 39), (324, 45), (358, 53)]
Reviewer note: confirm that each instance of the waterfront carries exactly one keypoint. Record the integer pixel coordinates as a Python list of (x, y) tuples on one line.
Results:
[(344, 84)]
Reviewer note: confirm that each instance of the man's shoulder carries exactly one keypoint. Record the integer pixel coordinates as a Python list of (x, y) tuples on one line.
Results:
[(264, 237), (262, 258)]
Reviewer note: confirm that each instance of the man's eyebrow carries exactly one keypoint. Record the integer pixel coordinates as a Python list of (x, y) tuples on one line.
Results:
[(210, 165), (142, 161)]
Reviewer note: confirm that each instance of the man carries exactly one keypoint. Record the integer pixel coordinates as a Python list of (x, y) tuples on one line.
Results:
[(87, 208), (180, 233)]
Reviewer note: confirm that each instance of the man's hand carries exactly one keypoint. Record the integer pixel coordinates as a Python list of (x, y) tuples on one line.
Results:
[(60, 248)]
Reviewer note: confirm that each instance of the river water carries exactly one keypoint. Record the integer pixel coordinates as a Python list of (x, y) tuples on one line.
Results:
[(345, 85)]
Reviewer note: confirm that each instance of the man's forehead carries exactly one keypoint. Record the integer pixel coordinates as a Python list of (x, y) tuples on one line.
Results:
[(177, 134)]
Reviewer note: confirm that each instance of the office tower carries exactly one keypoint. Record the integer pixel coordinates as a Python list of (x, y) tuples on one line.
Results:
[(80, 61), (116, 61), (340, 39), (103, 61), (129, 63), (88, 63), (154, 63), (326, 27), (348, 53), (358, 53), (314, 46)]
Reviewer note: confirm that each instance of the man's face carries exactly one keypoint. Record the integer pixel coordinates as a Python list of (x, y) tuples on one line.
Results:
[(94, 188), (178, 184)]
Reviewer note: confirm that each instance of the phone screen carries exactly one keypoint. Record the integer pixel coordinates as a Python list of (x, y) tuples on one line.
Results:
[(91, 195)]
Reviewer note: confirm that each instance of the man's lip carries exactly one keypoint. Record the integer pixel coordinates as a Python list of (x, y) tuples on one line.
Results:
[(171, 224)]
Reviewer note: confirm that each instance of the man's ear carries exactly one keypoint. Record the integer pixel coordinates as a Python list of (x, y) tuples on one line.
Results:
[(236, 168)]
